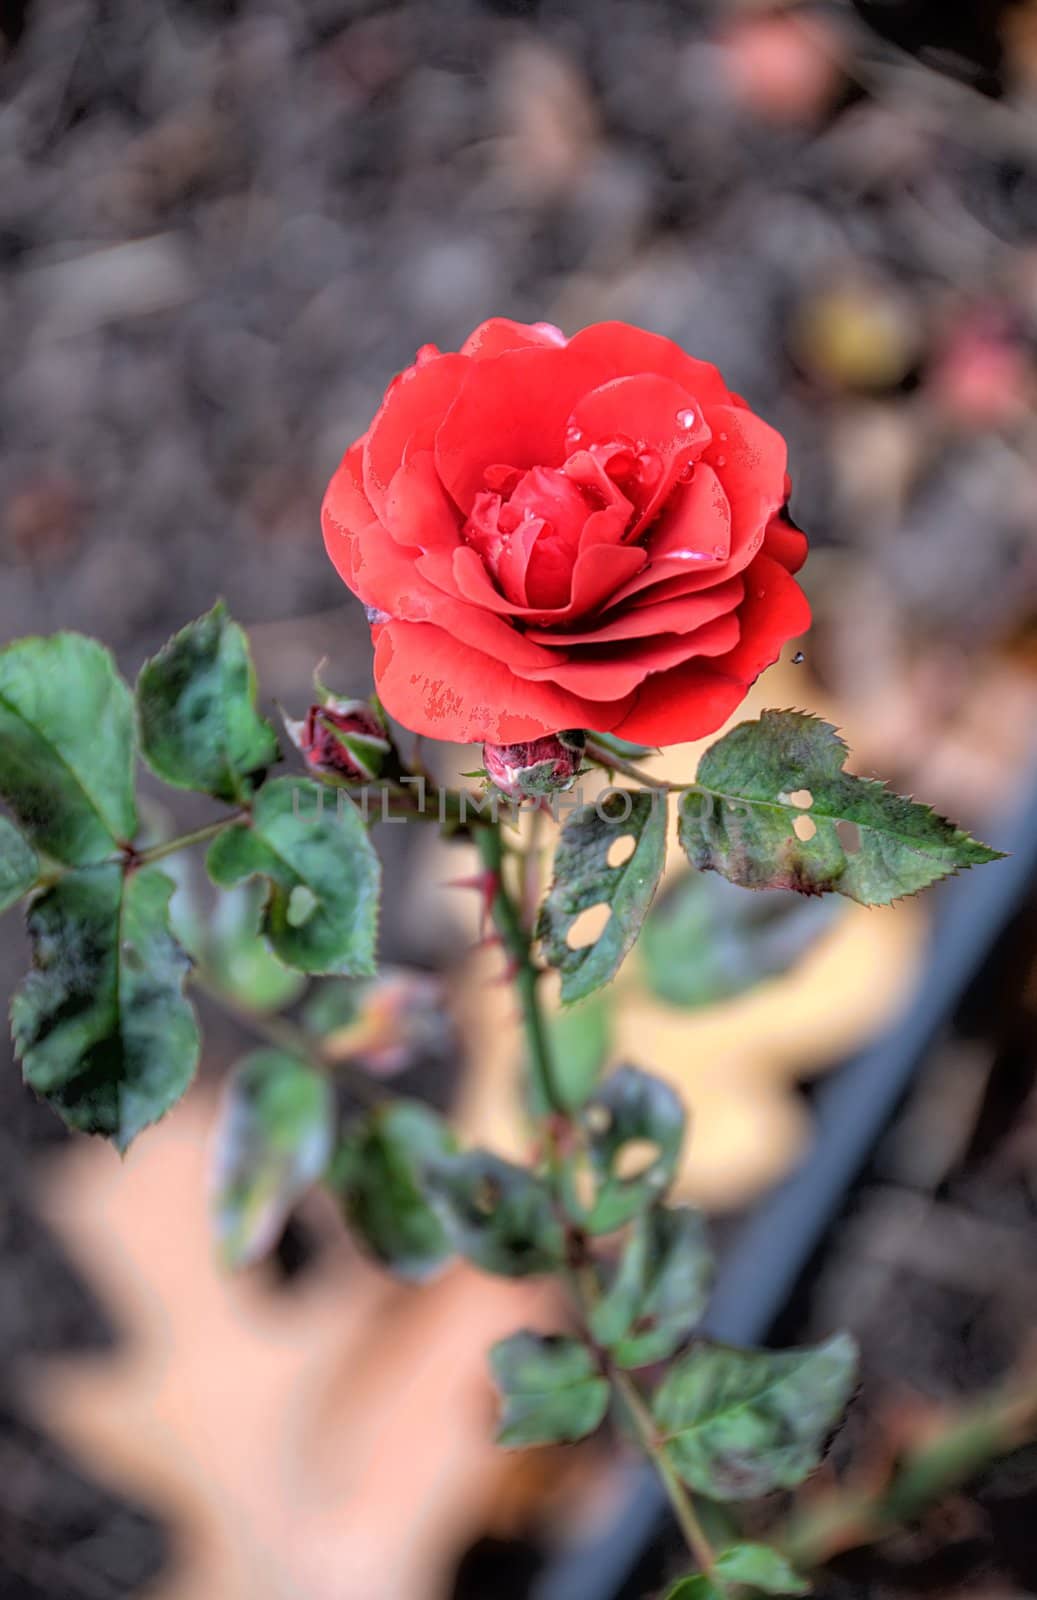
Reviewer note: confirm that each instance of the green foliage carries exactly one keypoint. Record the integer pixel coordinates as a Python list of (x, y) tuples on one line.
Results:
[(238, 960), (740, 818), (659, 1290), (551, 1389), (739, 1423), (581, 1042), (499, 1216), (101, 1023), (273, 1140), (634, 1127), (196, 710), (19, 864), (321, 912), (583, 878), (754, 1565), (705, 941), (378, 1175), (66, 732)]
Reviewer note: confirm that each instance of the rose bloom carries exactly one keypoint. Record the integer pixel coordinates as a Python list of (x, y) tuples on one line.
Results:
[(552, 533)]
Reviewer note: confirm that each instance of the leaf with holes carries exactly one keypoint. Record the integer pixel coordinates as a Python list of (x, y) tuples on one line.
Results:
[(740, 1423), (551, 1390), (499, 1216), (660, 1288), (583, 878), (741, 818), (19, 864), (378, 1175), (196, 710), (755, 1565), (273, 1138), (634, 1127), (66, 732), (321, 912), (101, 1024)]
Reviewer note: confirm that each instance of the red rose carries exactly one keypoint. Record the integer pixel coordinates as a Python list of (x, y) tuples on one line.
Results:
[(560, 534)]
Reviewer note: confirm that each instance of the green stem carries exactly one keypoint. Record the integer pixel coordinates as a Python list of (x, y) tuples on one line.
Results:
[(517, 945), (584, 1283), (184, 841), (612, 763)]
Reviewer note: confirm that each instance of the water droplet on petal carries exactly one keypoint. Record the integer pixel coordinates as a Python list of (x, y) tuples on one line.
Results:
[(649, 466), (722, 437), (718, 552), (687, 473), (686, 419), (721, 461), (798, 659), (573, 437)]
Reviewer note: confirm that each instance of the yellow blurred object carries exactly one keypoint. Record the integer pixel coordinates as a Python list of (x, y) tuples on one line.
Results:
[(332, 1443)]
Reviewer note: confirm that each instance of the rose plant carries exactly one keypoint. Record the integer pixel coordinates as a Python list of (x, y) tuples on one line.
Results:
[(564, 546)]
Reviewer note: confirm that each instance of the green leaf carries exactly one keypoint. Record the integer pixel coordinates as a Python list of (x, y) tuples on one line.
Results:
[(740, 1423), (299, 844), (611, 745), (66, 732), (583, 878), (551, 1390), (238, 959), (581, 1041), (196, 710), (634, 1127), (499, 1216), (101, 1024), (19, 864), (660, 1288), (273, 1139), (705, 941), (378, 1175), (740, 818), (756, 1565)]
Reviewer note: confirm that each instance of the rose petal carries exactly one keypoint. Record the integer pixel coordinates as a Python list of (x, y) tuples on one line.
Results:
[(674, 616), (610, 673), (512, 409), (346, 506), (498, 334), (784, 542), (659, 417), (685, 703), (406, 421), (619, 350), (437, 688), (695, 524), (774, 611), (418, 510), (596, 573)]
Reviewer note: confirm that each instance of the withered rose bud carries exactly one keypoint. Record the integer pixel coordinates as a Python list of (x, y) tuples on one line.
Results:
[(341, 738), (536, 767)]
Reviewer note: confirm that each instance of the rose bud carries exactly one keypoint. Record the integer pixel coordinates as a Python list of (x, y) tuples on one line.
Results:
[(343, 739), (537, 766)]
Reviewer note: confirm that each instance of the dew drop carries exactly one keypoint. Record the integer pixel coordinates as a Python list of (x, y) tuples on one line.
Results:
[(687, 473), (722, 437), (721, 461), (573, 437), (649, 466), (686, 419), (798, 659), (718, 552)]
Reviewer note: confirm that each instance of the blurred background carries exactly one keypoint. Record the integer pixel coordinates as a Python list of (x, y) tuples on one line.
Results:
[(223, 226)]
